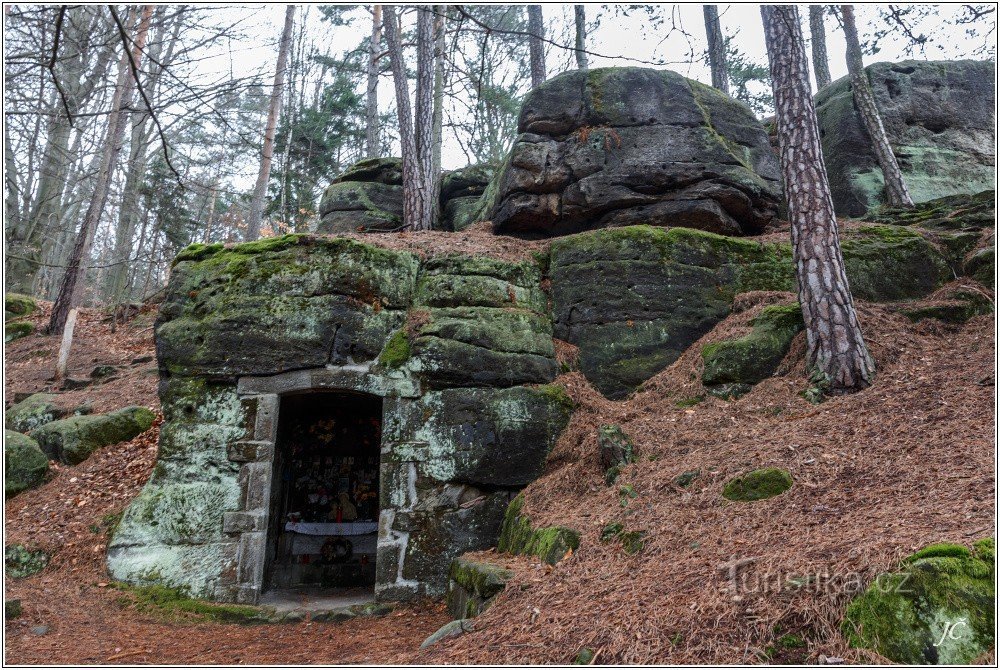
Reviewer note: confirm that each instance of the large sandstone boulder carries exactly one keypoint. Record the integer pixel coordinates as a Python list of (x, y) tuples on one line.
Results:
[(622, 146), (940, 122), (368, 196), (460, 194), (37, 410)]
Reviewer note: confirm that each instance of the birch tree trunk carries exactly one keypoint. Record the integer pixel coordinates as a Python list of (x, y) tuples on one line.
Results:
[(412, 202), (896, 193), (423, 123), (274, 108), (821, 64), (716, 48), (580, 16), (72, 283), (371, 95), (536, 30), (836, 354)]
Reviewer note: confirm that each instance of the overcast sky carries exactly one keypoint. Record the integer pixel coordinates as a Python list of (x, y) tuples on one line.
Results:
[(617, 36)]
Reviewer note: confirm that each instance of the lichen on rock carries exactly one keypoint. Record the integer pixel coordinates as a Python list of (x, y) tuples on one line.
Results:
[(25, 465)]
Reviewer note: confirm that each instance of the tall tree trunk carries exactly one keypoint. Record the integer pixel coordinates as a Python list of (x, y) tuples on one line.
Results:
[(273, 110), (436, 140), (536, 30), (371, 95), (412, 192), (896, 193), (580, 16), (72, 283), (821, 64), (423, 122), (836, 354), (716, 49)]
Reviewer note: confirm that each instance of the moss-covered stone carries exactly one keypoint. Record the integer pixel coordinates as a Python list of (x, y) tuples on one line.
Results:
[(753, 358), (958, 307), (616, 450), (584, 657), (685, 479), (20, 562), (887, 263), (937, 609), (74, 439), (25, 466), (18, 304), (758, 485), (175, 603), (383, 170), (397, 350), (517, 536), (360, 207), (981, 265), (15, 330), (473, 585), (37, 410)]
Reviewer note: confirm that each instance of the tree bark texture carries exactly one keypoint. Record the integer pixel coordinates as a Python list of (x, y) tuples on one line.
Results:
[(273, 110), (716, 48), (821, 64), (836, 354), (580, 16), (423, 122), (440, 14), (896, 193), (412, 193), (536, 48), (371, 95), (72, 283)]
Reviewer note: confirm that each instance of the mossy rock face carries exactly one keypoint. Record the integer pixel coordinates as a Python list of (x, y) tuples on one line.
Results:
[(938, 608), (620, 146), (25, 465), (73, 440), (517, 536), (281, 304), (21, 562), (460, 193), (17, 304), (938, 116), (35, 411), (753, 358), (758, 485), (886, 263), (15, 330), (982, 266), (616, 450), (385, 170), (360, 207), (959, 307), (473, 585)]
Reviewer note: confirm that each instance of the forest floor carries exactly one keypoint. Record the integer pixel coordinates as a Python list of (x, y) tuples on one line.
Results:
[(878, 474)]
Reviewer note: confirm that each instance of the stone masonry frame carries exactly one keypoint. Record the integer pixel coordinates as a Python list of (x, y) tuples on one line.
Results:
[(261, 400)]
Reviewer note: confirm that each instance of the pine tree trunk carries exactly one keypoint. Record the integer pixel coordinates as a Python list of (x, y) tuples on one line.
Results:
[(836, 354), (440, 13), (423, 123), (580, 16), (371, 95), (274, 109), (412, 203), (716, 48), (72, 283), (536, 28), (821, 65), (896, 193)]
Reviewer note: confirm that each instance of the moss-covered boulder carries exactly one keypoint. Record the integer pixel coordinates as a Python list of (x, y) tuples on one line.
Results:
[(616, 450), (37, 410), (18, 304), (758, 485), (281, 304), (20, 562), (622, 146), (938, 608), (368, 196), (956, 307), (473, 585), (754, 357), (938, 116), (981, 265), (15, 330), (518, 536), (634, 299), (460, 193), (25, 465), (74, 439)]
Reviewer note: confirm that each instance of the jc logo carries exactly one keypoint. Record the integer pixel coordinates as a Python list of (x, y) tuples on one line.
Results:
[(950, 631)]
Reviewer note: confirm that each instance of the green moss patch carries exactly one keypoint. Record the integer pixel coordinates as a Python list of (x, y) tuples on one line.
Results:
[(517, 536), (20, 562), (397, 350), (17, 304), (937, 609), (758, 485), (616, 450), (15, 330), (175, 604)]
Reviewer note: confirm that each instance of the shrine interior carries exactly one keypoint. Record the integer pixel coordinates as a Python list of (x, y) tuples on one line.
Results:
[(325, 502)]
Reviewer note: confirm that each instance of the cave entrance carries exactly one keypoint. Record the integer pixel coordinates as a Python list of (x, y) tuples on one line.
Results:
[(324, 514)]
